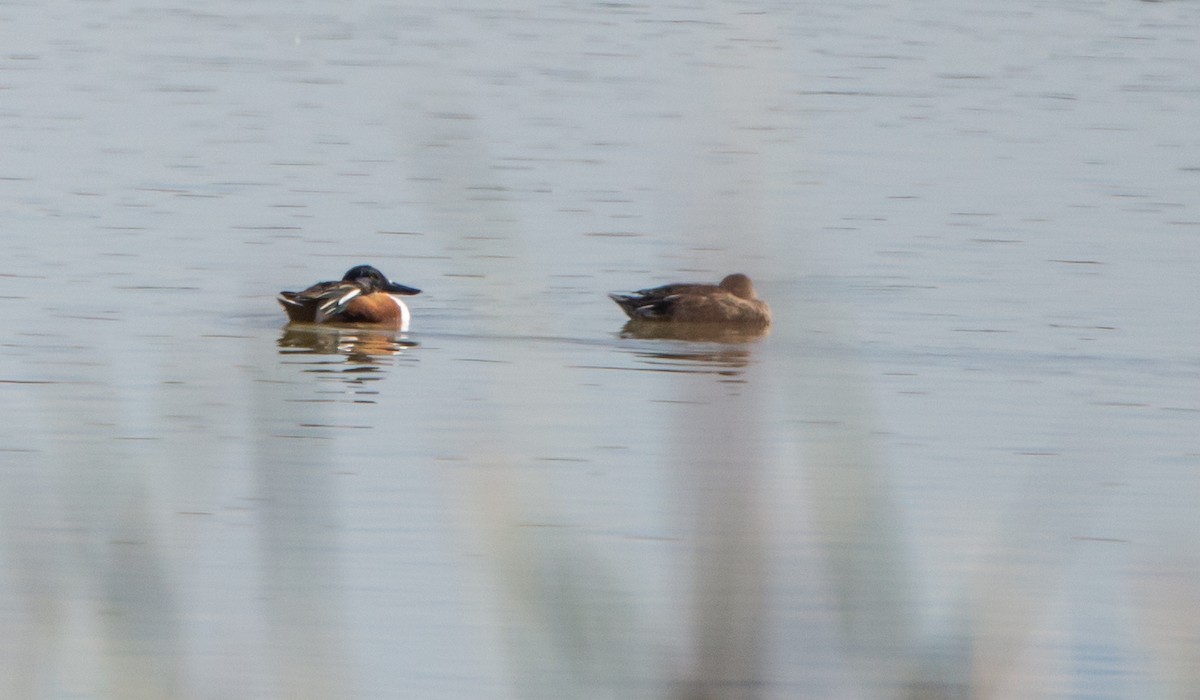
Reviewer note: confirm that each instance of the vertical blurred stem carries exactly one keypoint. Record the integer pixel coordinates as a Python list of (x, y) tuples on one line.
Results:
[(723, 470), (301, 550), (855, 515)]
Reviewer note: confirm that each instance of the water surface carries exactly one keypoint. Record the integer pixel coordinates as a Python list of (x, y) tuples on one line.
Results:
[(961, 463)]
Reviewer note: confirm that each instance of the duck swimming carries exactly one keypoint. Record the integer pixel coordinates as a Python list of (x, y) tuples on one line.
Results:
[(731, 302), (363, 295)]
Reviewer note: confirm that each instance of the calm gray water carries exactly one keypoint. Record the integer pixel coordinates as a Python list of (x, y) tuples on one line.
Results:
[(964, 462)]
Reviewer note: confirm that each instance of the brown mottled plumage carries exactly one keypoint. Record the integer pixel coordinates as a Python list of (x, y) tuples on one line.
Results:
[(731, 302)]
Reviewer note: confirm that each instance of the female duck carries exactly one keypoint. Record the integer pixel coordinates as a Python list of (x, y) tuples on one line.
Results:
[(732, 302)]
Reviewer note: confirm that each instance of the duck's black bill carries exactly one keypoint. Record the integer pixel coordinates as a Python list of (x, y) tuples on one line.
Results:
[(395, 288)]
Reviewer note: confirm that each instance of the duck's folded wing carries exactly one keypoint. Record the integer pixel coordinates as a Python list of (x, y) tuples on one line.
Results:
[(676, 288), (640, 305), (335, 301), (287, 299), (330, 298)]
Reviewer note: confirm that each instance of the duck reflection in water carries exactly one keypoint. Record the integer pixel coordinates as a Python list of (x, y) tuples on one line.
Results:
[(694, 332), (704, 344), (365, 350), (724, 360), (721, 351)]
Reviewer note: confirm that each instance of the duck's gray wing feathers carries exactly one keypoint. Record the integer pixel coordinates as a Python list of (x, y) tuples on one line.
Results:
[(331, 298)]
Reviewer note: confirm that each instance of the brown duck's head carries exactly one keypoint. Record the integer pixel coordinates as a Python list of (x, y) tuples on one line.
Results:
[(738, 285)]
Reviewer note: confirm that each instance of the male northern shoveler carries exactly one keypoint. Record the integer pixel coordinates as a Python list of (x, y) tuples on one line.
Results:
[(363, 295), (732, 302)]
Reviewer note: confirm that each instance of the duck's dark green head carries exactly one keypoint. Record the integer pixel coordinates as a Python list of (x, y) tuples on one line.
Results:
[(372, 280)]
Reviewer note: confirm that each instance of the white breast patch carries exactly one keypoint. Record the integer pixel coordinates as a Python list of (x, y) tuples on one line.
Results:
[(405, 316)]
